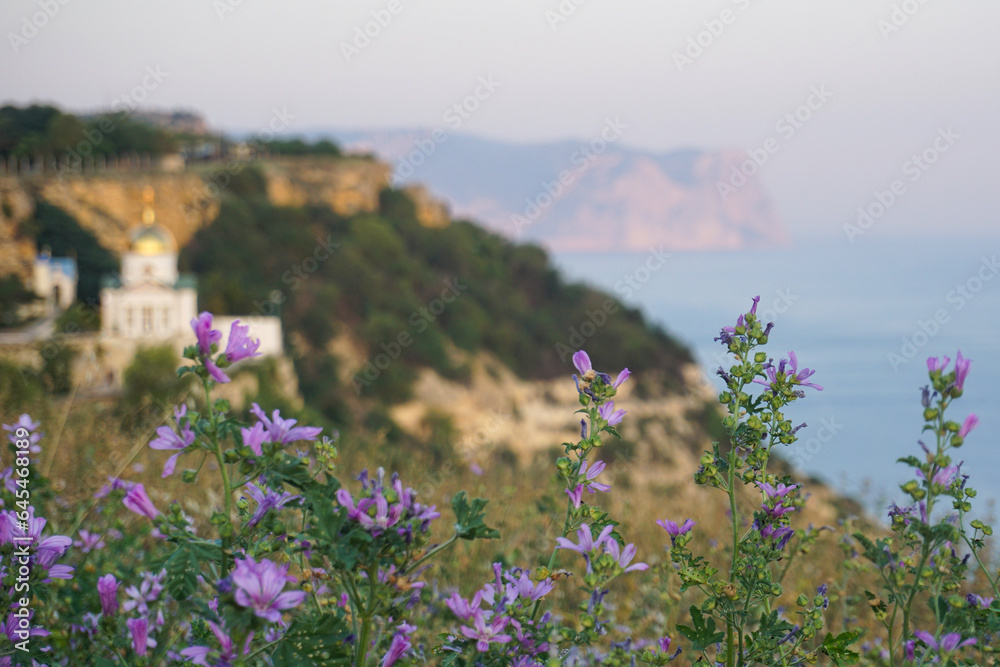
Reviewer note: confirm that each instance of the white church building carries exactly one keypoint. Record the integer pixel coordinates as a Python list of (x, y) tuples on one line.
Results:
[(151, 301)]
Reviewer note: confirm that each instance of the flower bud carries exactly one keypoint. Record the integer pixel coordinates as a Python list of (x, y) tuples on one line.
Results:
[(189, 476), (930, 414), (760, 357), (802, 600)]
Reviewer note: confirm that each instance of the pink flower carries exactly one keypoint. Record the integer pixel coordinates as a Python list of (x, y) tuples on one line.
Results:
[(259, 586), (590, 475), (107, 587), (971, 422), (961, 371), (624, 557), (582, 362), (576, 495), (284, 430), (206, 335), (624, 375), (400, 644), (487, 634), (139, 627), (254, 438), (137, 501), (673, 529), (609, 414), (935, 364), (587, 542), (240, 346)]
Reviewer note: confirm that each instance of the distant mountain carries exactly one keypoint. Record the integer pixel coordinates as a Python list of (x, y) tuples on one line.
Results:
[(573, 196)]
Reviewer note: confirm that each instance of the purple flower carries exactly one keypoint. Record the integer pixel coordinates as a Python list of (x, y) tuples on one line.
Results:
[(624, 557), (590, 474), (227, 655), (530, 591), (400, 644), (961, 371), (978, 601), (259, 586), (624, 375), (89, 541), (971, 422), (582, 362), (33, 437), (206, 335), (148, 591), (254, 438), (107, 587), (609, 414), (793, 376), (486, 634), (14, 630), (587, 542), (673, 529), (781, 534), (139, 627), (240, 346), (776, 492), (284, 430), (576, 495), (137, 501), (462, 608), (934, 364), (267, 499), (949, 642), (167, 438), (756, 300)]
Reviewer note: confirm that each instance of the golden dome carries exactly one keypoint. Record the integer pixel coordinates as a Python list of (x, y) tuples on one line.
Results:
[(152, 240)]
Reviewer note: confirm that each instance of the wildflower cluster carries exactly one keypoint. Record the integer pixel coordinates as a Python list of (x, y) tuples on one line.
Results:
[(293, 567), (742, 598), (921, 563)]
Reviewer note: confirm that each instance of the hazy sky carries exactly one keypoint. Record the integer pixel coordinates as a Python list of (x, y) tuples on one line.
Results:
[(899, 71)]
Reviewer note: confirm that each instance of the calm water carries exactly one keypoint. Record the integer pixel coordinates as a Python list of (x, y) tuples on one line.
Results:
[(844, 309)]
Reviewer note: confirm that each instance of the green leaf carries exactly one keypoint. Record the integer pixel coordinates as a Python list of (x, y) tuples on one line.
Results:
[(310, 643), (703, 634), (470, 521), (838, 647)]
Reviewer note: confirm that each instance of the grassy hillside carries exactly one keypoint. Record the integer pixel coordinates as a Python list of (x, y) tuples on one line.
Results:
[(382, 276)]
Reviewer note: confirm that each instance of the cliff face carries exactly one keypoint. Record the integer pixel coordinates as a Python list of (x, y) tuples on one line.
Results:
[(591, 196), (109, 204)]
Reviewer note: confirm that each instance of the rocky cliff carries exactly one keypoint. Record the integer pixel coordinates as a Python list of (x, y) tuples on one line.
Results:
[(109, 204)]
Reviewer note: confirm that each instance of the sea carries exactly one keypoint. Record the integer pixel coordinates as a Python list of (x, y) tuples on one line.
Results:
[(865, 316)]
